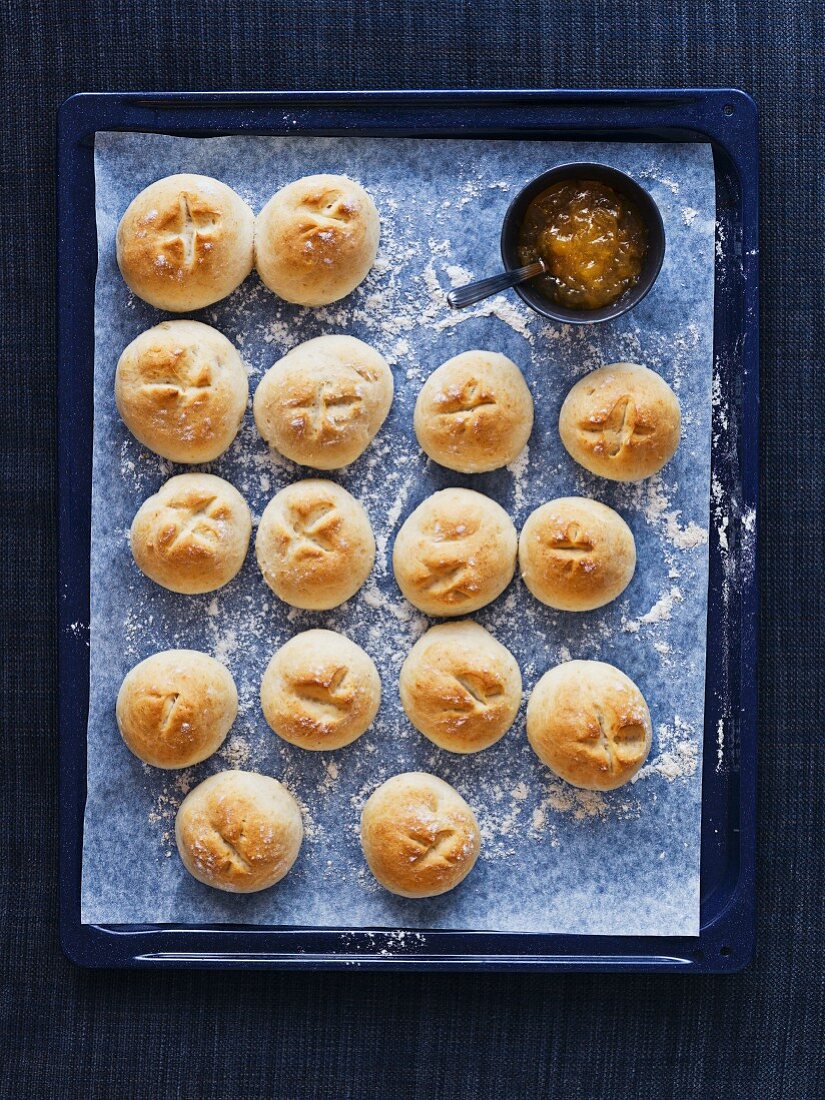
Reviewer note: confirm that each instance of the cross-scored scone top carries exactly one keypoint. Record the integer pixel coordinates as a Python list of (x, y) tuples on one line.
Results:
[(320, 690), (185, 242), (419, 835), (326, 225), (589, 723), (182, 390), (474, 413), (621, 422), (323, 402), (192, 535), (239, 831), (314, 545), (455, 553), (184, 229), (609, 431)]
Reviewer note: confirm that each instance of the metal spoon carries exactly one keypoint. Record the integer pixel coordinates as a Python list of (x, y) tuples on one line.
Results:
[(468, 295)]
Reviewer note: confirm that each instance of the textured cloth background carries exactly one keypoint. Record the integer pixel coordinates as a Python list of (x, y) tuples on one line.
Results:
[(68, 1033)]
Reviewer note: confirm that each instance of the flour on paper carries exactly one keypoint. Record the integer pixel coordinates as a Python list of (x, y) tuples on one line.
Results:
[(440, 210)]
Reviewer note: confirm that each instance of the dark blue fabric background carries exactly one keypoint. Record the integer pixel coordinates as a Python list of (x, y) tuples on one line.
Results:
[(69, 1033)]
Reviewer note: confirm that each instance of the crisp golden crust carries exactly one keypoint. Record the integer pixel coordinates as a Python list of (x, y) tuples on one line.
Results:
[(175, 708), (576, 554), (239, 831), (474, 413), (193, 534), (314, 545), (320, 691), (460, 687), (324, 402), (621, 422), (590, 724), (455, 553), (185, 242), (181, 389), (316, 239), (419, 836)]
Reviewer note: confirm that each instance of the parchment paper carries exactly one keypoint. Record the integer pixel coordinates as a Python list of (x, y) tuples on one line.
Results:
[(553, 859)]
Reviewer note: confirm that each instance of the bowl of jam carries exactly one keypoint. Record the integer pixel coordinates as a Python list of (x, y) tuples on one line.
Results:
[(599, 234)]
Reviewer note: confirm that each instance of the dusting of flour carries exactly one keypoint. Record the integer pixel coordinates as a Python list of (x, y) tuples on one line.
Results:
[(517, 802)]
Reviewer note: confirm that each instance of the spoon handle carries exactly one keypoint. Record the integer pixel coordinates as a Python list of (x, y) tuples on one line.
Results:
[(468, 295)]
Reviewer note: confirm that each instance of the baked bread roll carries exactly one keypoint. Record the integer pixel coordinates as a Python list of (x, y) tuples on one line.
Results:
[(239, 831), (474, 413), (590, 724), (193, 534), (323, 403), (420, 838), (175, 708), (316, 239), (185, 242), (455, 553), (182, 390), (621, 422), (320, 691), (314, 545), (460, 687), (576, 554)]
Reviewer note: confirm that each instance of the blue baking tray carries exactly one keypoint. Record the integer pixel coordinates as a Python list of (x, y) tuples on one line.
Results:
[(726, 118)]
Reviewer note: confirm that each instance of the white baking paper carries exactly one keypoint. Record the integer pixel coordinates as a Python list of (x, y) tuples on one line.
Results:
[(553, 859)]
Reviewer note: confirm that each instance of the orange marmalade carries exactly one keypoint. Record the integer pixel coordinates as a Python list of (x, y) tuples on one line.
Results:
[(592, 239)]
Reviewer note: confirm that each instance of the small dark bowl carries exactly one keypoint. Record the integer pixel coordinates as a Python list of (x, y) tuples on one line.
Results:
[(625, 186)]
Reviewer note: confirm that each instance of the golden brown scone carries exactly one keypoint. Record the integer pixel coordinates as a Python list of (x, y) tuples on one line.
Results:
[(590, 724), (175, 708), (185, 242), (420, 838), (455, 553), (182, 390), (474, 413), (316, 239), (320, 691), (239, 831), (621, 422), (323, 403), (576, 554), (460, 687), (193, 534), (314, 545)]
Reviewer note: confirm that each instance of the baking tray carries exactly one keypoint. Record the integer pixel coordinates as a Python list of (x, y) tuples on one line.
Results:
[(726, 118)]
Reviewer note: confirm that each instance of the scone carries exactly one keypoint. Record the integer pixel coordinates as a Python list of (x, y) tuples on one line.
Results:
[(239, 831), (420, 838), (590, 724), (175, 708), (320, 691), (474, 413), (455, 553), (314, 545), (181, 389), (316, 239), (621, 422), (576, 554), (193, 534), (460, 687), (323, 403), (185, 242)]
